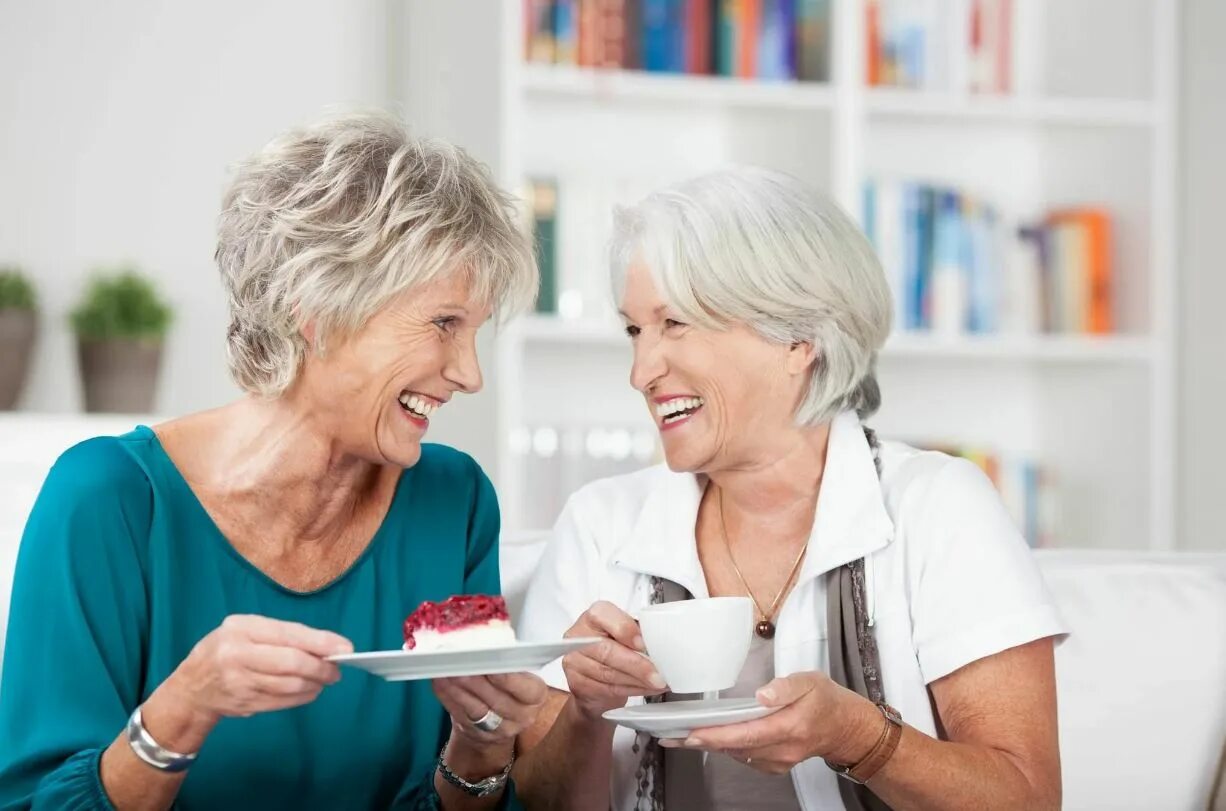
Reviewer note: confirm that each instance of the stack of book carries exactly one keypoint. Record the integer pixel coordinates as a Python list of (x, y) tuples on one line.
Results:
[(750, 39), (1026, 488), (956, 266), (945, 45)]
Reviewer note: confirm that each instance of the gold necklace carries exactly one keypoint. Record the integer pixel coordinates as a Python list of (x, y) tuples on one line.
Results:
[(765, 627)]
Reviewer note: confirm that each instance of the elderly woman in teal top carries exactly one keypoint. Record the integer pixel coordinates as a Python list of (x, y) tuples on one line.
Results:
[(202, 570)]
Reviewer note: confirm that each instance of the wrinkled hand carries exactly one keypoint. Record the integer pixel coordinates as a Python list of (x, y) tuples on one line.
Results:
[(251, 664), (812, 722), (604, 675), (516, 697)]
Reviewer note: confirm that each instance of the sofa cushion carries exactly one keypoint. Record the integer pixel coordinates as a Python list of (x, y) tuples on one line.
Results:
[(1141, 677)]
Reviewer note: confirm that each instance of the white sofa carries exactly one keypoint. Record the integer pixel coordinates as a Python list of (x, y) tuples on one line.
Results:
[(1142, 679)]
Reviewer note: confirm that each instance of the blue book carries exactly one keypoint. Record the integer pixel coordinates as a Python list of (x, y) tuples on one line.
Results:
[(657, 35), (1031, 473), (773, 36), (911, 288), (985, 273), (676, 36), (925, 225), (791, 34)]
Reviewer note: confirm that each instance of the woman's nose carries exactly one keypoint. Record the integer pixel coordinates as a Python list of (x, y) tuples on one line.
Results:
[(648, 365), (464, 370)]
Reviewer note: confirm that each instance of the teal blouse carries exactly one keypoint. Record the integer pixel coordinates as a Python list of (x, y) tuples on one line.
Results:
[(121, 572)]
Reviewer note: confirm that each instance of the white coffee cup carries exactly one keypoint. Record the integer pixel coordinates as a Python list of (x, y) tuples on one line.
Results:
[(699, 646)]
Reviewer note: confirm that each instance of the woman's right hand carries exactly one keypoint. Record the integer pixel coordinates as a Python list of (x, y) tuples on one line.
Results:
[(252, 664), (604, 675)]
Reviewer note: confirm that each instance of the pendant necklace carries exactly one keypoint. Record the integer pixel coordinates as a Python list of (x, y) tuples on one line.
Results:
[(765, 627)]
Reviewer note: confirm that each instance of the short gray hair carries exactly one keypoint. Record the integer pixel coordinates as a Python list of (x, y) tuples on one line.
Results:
[(760, 248), (329, 223)]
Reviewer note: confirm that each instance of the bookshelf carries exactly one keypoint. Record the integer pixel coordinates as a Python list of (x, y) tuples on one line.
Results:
[(1089, 118)]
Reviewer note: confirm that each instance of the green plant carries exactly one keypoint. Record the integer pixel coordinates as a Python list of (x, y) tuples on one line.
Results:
[(16, 292), (122, 304)]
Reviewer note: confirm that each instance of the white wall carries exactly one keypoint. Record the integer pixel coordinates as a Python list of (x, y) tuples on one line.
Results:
[(1203, 333), (120, 122)]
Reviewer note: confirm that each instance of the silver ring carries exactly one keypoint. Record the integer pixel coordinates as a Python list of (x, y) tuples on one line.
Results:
[(488, 722)]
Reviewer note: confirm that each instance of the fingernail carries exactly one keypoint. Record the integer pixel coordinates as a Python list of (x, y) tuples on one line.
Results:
[(639, 644), (693, 742), (657, 681), (670, 743), (768, 694)]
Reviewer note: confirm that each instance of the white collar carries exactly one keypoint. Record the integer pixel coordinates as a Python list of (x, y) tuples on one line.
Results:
[(851, 519)]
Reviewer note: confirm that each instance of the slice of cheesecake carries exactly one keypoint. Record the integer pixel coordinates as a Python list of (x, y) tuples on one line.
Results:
[(462, 622)]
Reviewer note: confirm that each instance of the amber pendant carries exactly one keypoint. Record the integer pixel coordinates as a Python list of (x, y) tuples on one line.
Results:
[(765, 629)]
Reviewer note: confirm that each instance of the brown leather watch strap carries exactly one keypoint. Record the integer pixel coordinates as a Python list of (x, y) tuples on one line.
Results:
[(877, 757)]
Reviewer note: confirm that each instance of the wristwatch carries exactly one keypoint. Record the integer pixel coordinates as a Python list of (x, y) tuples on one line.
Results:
[(152, 752), (879, 754), (481, 788)]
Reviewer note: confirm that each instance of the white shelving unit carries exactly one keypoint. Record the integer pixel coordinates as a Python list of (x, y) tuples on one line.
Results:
[(1091, 121)]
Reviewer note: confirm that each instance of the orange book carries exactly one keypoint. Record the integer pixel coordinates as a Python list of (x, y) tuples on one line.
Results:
[(589, 37), (1093, 265), (872, 51), (748, 32)]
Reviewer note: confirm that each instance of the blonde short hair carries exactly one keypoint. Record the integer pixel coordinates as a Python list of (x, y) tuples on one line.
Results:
[(760, 248), (329, 223)]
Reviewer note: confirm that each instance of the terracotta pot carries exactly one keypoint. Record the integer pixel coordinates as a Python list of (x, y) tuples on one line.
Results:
[(17, 330), (120, 375)]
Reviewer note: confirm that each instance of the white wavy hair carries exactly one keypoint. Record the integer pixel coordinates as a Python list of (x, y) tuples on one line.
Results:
[(329, 223), (760, 248)]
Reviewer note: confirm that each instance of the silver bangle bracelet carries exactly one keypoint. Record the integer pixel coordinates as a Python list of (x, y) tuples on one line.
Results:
[(152, 752)]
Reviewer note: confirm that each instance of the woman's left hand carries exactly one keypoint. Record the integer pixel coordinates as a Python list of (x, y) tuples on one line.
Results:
[(514, 699), (814, 720)]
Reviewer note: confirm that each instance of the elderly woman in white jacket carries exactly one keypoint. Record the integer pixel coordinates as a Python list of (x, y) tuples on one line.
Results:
[(755, 309)]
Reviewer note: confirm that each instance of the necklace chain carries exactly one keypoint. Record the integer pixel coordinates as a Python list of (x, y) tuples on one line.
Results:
[(767, 616)]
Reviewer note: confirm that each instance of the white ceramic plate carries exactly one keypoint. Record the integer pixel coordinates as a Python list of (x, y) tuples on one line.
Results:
[(402, 665), (676, 719)]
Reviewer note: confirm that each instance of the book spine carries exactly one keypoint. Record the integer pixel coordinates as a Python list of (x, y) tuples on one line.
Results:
[(727, 37), (540, 23), (544, 227), (566, 31), (632, 14), (612, 36), (749, 28), (656, 35), (812, 56)]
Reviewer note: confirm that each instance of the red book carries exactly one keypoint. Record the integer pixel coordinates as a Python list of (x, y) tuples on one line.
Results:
[(699, 34), (611, 51)]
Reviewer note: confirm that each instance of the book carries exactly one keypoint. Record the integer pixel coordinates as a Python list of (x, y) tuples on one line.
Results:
[(812, 55), (543, 197), (539, 33)]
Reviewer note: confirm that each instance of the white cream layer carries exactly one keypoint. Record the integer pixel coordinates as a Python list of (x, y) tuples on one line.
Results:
[(492, 634)]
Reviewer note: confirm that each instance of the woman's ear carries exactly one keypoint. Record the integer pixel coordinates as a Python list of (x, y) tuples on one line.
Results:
[(801, 356), (308, 333)]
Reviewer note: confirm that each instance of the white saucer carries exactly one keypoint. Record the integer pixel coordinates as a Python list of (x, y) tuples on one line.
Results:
[(676, 719), (402, 665)]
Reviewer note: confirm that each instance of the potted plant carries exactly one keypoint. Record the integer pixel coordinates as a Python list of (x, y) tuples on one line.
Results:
[(18, 324), (120, 324)]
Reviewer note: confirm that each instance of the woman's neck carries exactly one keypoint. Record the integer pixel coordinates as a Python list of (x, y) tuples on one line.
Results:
[(780, 486), (275, 463)]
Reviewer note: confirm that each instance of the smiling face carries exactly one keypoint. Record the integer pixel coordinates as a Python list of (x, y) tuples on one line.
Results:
[(377, 391), (720, 398)]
